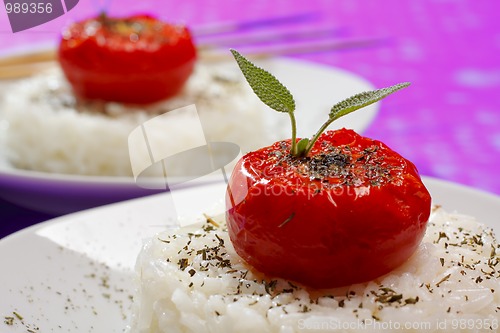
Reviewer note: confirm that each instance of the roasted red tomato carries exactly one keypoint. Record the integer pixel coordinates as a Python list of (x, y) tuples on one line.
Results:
[(138, 59), (352, 210)]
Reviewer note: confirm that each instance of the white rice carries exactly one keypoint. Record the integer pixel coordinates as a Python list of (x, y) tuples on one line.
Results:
[(43, 127), (191, 280)]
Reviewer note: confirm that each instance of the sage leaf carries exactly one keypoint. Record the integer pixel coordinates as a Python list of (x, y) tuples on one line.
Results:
[(301, 146), (363, 99), (267, 87), (275, 95)]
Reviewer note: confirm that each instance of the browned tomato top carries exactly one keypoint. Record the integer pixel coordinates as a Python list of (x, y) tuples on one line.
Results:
[(138, 59), (350, 211)]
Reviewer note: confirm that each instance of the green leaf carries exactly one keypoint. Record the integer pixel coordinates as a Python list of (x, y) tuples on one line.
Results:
[(267, 87), (351, 104), (363, 99), (274, 94), (301, 146)]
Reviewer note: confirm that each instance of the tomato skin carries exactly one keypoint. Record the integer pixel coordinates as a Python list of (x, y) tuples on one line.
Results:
[(138, 59), (332, 231)]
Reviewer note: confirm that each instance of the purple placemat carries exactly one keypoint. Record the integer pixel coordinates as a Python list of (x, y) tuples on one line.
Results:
[(447, 122)]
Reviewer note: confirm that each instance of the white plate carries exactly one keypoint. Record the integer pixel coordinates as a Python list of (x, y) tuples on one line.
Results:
[(315, 88), (74, 273)]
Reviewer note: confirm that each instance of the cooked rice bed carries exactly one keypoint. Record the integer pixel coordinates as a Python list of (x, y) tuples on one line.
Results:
[(191, 280), (44, 128)]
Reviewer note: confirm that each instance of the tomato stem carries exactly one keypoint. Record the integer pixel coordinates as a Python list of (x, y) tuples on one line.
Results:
[(316, 136), (293, 149)]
